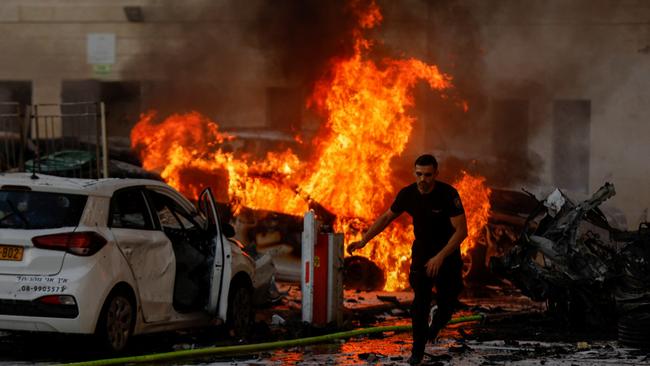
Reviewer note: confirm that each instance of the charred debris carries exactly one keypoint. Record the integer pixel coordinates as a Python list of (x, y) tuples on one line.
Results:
[(590, 273)]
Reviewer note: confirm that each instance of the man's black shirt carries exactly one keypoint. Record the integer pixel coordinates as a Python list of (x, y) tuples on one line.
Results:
[(431, 213)]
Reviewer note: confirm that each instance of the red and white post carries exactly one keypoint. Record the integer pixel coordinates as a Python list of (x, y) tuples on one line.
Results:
[(322, 274)]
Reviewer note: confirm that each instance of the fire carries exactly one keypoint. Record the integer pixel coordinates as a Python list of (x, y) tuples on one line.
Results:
[(476, 201), (365, 107)]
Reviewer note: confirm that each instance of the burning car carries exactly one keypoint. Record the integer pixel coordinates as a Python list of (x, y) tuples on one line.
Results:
[(119, 257), (507, 216)]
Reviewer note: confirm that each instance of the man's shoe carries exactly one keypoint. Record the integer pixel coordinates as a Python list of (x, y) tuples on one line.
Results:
[(432, 334), (414, 360), (434, 328)]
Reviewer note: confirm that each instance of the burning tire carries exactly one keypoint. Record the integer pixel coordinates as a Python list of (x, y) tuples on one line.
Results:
[(360, 273), (474, 263)]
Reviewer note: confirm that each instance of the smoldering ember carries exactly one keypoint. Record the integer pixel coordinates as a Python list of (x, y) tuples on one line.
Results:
[(222, 182)]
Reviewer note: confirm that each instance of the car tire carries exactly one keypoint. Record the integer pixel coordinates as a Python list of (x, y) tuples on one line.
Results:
[(474, 267), (240, 310), (116, 322)]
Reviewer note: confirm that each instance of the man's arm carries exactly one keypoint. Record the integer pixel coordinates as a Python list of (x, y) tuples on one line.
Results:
[(377, 227), (460, 225)]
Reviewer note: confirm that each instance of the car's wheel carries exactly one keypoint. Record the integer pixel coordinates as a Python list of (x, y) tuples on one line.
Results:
[(240, 309), (474, 263), (116, 322)]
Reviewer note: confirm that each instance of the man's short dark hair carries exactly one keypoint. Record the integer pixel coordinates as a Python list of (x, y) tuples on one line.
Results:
[(426, 159)]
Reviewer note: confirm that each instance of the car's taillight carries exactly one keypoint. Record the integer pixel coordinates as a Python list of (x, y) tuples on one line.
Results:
[(81, 243), (57, 300)]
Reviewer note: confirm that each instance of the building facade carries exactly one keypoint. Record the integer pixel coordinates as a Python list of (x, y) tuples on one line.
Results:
[(557, 90)]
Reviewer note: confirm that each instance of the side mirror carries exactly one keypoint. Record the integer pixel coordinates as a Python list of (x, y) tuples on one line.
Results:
[(228, 230)]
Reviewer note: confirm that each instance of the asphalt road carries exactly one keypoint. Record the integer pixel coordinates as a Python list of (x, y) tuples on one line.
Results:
[(525, 336)]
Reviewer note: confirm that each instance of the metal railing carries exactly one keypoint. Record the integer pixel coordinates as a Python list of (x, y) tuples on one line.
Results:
[(67, 139)]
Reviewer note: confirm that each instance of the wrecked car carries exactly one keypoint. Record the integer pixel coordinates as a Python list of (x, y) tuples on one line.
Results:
[(508, 212), (589, 272), (119, 257), (271, 233)]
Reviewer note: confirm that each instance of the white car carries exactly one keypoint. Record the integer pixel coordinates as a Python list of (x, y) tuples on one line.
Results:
[(118, 257)]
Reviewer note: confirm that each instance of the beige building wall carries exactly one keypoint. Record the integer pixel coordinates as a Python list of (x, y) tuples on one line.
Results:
[(45, 42)]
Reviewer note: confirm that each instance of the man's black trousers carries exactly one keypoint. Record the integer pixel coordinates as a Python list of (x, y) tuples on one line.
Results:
[(449, 284)]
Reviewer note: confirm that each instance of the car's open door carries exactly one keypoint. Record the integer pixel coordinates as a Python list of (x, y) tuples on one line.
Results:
[(208, 207)]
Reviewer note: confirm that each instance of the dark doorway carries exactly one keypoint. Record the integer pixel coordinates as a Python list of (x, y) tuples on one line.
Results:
[(571, 136), (16, 91), (510, 119), (14, 97), (510, 133)]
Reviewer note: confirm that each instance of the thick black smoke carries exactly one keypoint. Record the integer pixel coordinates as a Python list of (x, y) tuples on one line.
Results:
[(303, 36), (214, 58)]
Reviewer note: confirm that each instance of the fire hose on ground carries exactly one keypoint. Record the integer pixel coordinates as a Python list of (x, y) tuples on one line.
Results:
[(249, 348)]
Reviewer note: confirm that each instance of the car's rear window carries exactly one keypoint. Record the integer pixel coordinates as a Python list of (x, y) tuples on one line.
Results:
[(40, 210)]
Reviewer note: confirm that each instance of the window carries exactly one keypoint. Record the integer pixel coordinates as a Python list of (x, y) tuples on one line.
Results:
[(170, 213), (184, 229), (16, 91), (39, 210), (129, 210)]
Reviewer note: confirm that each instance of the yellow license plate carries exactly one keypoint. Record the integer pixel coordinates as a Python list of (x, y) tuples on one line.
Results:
[(11, 253)]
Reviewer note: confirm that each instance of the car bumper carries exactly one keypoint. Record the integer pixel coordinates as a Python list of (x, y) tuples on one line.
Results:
[(38, 309), (88, 282)]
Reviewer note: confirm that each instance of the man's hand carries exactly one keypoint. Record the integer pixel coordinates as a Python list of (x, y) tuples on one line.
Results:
[(433, 265), (355, 246)]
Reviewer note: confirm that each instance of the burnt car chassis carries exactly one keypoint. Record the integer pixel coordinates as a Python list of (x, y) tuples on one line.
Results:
[(589, 273)]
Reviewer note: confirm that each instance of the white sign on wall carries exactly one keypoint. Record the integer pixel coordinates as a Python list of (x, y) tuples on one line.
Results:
[(100, 48)]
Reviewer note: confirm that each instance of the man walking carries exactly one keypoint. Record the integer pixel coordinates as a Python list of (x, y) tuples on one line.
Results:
[(440, 226)]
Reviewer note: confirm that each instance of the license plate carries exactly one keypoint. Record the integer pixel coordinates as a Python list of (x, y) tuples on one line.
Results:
[(11, 253)]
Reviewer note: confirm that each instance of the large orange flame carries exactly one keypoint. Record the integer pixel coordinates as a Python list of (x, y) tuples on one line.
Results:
[(365, 105)]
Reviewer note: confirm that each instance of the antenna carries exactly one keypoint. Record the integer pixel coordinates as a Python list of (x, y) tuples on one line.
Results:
[(34, 176)]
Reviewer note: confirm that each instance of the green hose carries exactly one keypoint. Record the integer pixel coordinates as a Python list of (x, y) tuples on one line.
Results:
[(246, 348)]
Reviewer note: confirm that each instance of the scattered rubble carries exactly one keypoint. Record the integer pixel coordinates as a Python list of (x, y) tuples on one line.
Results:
[(590, 273)]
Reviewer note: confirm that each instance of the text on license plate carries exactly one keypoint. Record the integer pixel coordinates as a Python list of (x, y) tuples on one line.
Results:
[(11, 253)]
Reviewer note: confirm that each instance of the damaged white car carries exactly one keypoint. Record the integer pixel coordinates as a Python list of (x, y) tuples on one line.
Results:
[(119, 257)]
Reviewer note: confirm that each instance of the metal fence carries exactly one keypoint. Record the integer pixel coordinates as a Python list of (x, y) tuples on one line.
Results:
[(67, 139)]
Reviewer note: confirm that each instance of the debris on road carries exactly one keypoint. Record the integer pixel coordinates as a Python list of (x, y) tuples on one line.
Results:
[(590, 273)]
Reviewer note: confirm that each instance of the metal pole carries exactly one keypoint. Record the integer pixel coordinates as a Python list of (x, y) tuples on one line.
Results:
[(309, 237), (96, 113), (38, 142), (24, 135), (104, 139)]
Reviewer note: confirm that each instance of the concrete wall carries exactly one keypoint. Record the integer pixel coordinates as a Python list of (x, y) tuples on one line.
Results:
[(590, 50)]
